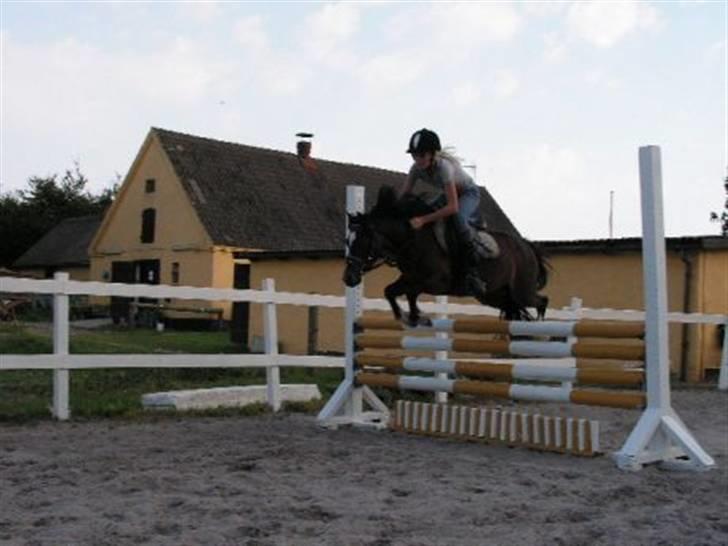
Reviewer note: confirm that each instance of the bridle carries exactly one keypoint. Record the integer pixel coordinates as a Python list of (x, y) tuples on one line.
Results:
[(376, 253)]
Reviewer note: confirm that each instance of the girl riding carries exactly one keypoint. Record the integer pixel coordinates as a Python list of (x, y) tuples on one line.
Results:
[(443, 171)]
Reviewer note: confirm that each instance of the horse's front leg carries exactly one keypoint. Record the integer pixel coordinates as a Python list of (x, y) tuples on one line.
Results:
[(414, 311), (392, 292)]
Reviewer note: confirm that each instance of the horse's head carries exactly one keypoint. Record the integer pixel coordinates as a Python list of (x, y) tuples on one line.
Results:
[(377, 237), (359, 247)]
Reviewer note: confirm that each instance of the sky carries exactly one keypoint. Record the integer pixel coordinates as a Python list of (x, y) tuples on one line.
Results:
[(548, 100)]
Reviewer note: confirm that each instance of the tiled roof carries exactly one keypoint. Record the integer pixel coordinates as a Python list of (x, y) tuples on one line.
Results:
[(257, 198), (64, 245), (701, 242)]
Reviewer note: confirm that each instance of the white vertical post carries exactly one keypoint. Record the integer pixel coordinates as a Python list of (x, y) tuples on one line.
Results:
[(346, 405), (270, 333), (354, 295), (654, 275), (575, 306), (723, 377), (441, 396), (660, 435), (61, 409)]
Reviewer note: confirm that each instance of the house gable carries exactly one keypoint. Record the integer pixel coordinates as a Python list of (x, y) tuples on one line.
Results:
[(176, 223)]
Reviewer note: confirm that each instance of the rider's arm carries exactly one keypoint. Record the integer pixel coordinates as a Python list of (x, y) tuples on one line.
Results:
[(449, 209)]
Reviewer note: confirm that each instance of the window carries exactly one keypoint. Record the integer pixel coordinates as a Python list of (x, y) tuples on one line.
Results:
[(149, 185), (175, 272), (148, 219)]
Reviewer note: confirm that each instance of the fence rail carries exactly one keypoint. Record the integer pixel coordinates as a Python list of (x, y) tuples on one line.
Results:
[(61, 361), (92, 288)]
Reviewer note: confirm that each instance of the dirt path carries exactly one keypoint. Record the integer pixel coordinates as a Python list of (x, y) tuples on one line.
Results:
[(281, 480)]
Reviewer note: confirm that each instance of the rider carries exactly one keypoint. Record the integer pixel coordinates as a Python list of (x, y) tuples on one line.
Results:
[(443, 171)]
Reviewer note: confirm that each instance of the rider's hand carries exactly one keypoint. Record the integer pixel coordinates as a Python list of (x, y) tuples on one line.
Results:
[(417, 222)]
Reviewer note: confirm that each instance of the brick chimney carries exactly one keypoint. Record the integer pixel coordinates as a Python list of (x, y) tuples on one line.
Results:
[(303, 150)]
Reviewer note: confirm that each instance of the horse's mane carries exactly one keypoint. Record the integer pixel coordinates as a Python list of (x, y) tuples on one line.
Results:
[(389, 206)]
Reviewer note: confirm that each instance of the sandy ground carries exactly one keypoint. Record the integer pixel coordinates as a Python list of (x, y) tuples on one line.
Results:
[(281, 480)]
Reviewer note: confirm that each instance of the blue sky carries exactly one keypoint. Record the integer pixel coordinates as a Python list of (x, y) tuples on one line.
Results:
[(549, 100)]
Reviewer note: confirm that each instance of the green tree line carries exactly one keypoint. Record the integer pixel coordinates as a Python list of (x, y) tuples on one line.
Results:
[(28, 214)]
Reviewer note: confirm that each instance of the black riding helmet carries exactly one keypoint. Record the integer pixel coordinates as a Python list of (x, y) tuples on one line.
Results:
[(423, 141)]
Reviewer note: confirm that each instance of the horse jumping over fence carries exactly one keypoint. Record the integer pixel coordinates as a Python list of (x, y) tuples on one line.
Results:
[(383, 235)]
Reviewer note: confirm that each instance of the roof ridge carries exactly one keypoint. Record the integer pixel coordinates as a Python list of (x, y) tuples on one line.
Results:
[(272, 150)]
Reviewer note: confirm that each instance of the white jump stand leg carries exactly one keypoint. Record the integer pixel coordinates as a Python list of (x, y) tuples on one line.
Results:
[(346, 405), (660, 435)]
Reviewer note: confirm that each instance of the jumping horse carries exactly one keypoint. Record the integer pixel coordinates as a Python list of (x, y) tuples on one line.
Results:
[(383, 235)]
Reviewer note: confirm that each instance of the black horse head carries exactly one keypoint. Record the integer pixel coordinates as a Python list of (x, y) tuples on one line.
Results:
[(376, 237), (358, 248)]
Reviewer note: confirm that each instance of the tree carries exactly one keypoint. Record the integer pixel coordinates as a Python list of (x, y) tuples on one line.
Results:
[(28, 214), (723, 216)]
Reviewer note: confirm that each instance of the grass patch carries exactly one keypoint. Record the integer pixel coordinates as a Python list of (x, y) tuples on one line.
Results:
[(27, 394)]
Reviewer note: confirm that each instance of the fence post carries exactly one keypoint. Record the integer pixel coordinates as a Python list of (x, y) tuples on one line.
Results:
[(723, 376), (313, 328), (60, 408), (270, 334), (441, 396)]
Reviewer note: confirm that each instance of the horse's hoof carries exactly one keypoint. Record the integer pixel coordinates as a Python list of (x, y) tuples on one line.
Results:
[(425, 321)]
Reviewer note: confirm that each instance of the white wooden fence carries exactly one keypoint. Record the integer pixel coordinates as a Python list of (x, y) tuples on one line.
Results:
[(61, 362)]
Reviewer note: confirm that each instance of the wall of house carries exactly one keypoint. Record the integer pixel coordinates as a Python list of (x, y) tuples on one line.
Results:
[(315, 277), (78, 273), (711, 285)]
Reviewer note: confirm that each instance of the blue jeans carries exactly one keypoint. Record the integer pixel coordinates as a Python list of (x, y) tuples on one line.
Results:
[(468, 214), (469, 210)]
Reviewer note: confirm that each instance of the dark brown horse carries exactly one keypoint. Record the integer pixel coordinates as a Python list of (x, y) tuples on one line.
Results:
[(384, 235)]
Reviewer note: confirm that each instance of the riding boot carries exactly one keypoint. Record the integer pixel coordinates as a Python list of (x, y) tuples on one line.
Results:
[(473, 283)]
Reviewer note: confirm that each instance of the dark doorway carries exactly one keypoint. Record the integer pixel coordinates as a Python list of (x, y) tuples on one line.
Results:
[(132, 272), (121, 272), (240, 322)]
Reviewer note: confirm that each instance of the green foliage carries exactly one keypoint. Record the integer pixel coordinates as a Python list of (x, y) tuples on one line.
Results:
[(26, 215), (723, 216)]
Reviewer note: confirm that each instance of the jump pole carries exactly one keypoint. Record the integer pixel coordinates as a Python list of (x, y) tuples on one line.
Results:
[(660, 435), (346, 405)]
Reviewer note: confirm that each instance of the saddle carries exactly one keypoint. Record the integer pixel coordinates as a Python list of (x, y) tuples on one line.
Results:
[(449, 241)]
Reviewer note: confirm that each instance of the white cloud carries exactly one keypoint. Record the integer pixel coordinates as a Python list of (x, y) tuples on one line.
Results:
[(543, 8), (461, 26), (601, 79), (327, 30), (554, 47), (603, 23), (383, 72), (71, 83), (283, 76), (202, 12), (506, 84), (276, 72), (250, 32), (466, 94)]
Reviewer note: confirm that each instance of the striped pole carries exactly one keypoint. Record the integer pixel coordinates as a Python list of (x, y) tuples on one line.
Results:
[(626, 400), (514, 428), (548, 349), (489, 370), (490, 325)]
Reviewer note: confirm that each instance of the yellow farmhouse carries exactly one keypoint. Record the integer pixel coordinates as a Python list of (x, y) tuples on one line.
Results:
[(195, 211)]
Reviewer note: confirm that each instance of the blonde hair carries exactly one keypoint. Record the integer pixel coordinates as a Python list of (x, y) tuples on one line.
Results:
[(448, 152)]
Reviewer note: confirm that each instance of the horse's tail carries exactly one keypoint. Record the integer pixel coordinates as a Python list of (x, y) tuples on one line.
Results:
[(544, 266)]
